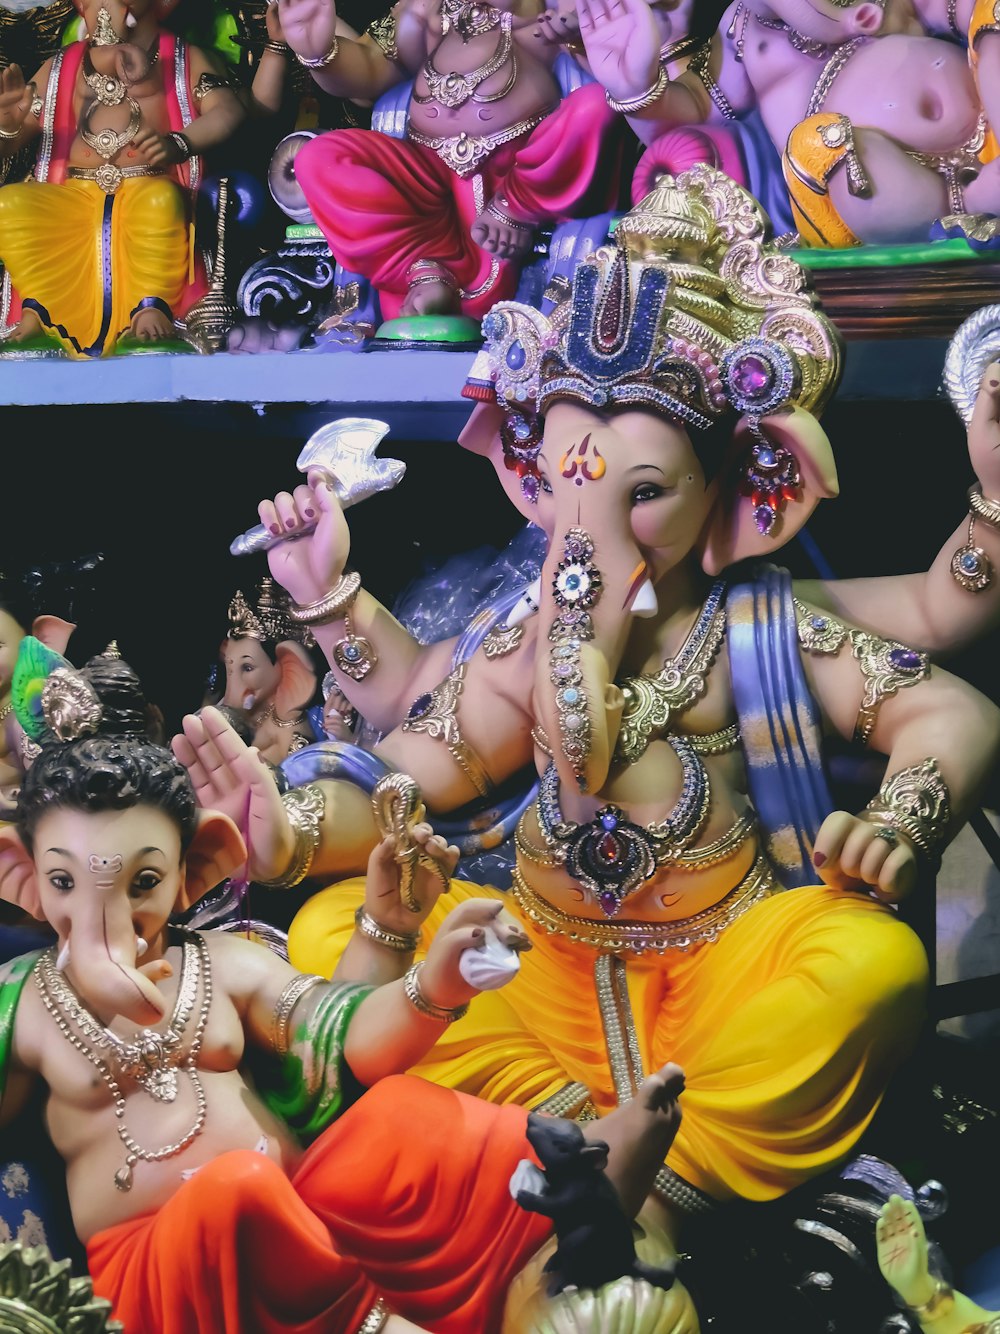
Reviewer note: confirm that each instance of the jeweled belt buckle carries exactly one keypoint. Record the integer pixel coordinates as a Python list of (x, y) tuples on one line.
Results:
[(109, 178)]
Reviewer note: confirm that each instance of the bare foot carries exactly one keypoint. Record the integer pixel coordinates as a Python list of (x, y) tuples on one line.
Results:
[(639, 1135), (500, 238), (430, 298), (152, 326), (29, 326)]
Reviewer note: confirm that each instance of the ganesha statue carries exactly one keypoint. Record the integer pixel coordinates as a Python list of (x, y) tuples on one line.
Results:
[(121, 122), (879, 116), (687, 884), (441, 219), (270, 678)]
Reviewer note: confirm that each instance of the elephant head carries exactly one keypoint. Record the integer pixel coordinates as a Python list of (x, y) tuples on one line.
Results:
[(108, 840), (659, 428), (264, 660)]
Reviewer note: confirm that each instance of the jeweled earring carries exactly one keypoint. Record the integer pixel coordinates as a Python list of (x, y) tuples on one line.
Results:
[(760, 377), (521, 437)]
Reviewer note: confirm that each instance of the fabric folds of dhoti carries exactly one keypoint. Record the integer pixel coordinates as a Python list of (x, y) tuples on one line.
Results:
[(383, 203), (406, 1197), (788, 1028), (87, 293), (815, 150)]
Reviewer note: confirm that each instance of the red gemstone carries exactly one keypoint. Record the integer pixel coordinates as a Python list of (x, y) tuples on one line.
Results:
[(607, 849)]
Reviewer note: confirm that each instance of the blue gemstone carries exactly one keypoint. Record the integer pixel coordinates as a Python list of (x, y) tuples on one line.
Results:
[(609, 821), (570, 696), (819, 622), (516, 356), (421, 705), (766, 458), (970, 563), (492, 326), (905, 659), (572, 581), (352, 653)]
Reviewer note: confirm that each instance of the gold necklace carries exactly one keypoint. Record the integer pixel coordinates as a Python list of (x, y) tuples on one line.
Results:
[(60, 1000), (270, 715), (652, 701), (6, 710)]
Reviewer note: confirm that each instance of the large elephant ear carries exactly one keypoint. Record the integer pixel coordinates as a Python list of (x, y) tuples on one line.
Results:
[(481, 435), (731, 533), (216, 852), (35, 664), (18, 880), (298, 677)]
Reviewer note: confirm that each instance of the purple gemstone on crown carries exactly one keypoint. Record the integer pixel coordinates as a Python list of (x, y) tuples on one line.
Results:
[(905, 659), (763, 517), (752, 375), (516, 356), (609, 820), (609, 902)]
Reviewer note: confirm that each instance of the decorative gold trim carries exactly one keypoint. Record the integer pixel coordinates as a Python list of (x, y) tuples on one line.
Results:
[(620, 1038), (439, 720), (39, 1295), (305, 808)]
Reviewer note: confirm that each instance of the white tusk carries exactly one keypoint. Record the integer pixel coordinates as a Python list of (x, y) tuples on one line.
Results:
[(644, 603), (141, 946), (130, 20), (249, 701), (527, 605), (63, 959)]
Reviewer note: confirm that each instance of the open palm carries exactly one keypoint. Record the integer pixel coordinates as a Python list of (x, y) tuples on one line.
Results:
[(622, 43)]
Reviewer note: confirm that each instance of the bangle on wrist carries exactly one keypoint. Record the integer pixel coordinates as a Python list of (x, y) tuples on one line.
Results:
[(938, 1304), (287, 1002), (10, 134), (401, 942), (305, 808), (411, 986), (914, 802), (278, 48), (652, 94), (182, 144), (982, 507), (322, 61), (337, 602)]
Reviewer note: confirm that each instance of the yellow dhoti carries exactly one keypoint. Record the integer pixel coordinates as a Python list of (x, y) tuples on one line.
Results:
[(788, 1027), (985, 19), (816, 148), (85, 261)]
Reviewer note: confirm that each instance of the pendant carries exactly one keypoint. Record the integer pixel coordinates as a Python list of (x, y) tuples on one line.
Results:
[(502, 639), (123, 1177), (610, 857), (355, 656), (972, 568)]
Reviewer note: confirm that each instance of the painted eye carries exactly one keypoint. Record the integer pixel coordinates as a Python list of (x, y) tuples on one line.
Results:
[(144, 883), (645, 492), (545, 485), (62, 882)]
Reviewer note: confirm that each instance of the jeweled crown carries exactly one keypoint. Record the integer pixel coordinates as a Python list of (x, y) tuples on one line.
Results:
[(270, 620), (690, 312)]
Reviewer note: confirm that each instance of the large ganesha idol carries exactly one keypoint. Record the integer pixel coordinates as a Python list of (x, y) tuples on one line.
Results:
[(881, 118), (688, 886)]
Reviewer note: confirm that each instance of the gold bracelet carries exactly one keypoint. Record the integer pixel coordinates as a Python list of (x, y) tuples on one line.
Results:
[(392, 940), (983, 508), (287, 1002), (411, 986), (938, 1304), (333, 607), (323, 61), (914, 801), (652, 94), (278, 48), (10, 134), (305, 808), (376, 1319)]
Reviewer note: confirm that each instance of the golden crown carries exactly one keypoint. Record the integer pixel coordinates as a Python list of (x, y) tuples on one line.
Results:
[(269, 621), (692, 311)]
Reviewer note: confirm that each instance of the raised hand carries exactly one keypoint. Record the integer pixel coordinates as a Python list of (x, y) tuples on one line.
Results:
[(901, 1244), (229, 776), (309, 562), (15, 99), (622, 42), (851, 853), (383, 900), (984, 432), (309, 26), (464, 928)]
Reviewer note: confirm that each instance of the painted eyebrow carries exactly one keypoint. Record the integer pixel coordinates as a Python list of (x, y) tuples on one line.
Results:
[(62, 852), (638, 467), (142, 851)]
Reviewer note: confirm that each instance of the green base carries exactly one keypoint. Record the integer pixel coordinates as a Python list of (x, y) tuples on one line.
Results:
[(421, 330), (128, 346), (39, 345), (891, 256)]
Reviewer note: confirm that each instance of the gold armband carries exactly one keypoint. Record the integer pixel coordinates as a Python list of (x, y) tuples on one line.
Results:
[(411, 986), (915, 802), (436, 714), (305, 808), (333, 607), (383, 34), (287, 1002)]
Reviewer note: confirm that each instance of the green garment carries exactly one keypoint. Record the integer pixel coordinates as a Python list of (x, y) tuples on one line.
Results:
[(306, 1088), (13, 976)]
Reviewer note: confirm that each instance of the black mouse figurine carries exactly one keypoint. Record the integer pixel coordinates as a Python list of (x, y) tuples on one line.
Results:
[(595, 1241)]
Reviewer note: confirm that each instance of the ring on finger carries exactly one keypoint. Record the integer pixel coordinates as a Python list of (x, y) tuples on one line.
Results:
[(887, 836)]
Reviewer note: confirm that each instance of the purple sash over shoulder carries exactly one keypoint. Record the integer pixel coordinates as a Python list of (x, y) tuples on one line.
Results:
[(779, 722)]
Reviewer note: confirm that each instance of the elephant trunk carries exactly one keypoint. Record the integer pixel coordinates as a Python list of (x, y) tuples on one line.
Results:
[(102, 955), (587, 601)]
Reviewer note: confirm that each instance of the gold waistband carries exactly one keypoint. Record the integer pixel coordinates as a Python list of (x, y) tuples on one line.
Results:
[(465, 153), (637, 937), (109, 177)]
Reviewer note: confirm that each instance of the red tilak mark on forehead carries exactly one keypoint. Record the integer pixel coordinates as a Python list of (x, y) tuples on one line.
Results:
[(582, 468)]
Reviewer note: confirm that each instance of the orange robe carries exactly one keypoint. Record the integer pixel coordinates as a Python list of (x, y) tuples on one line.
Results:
[(406, 1197)]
